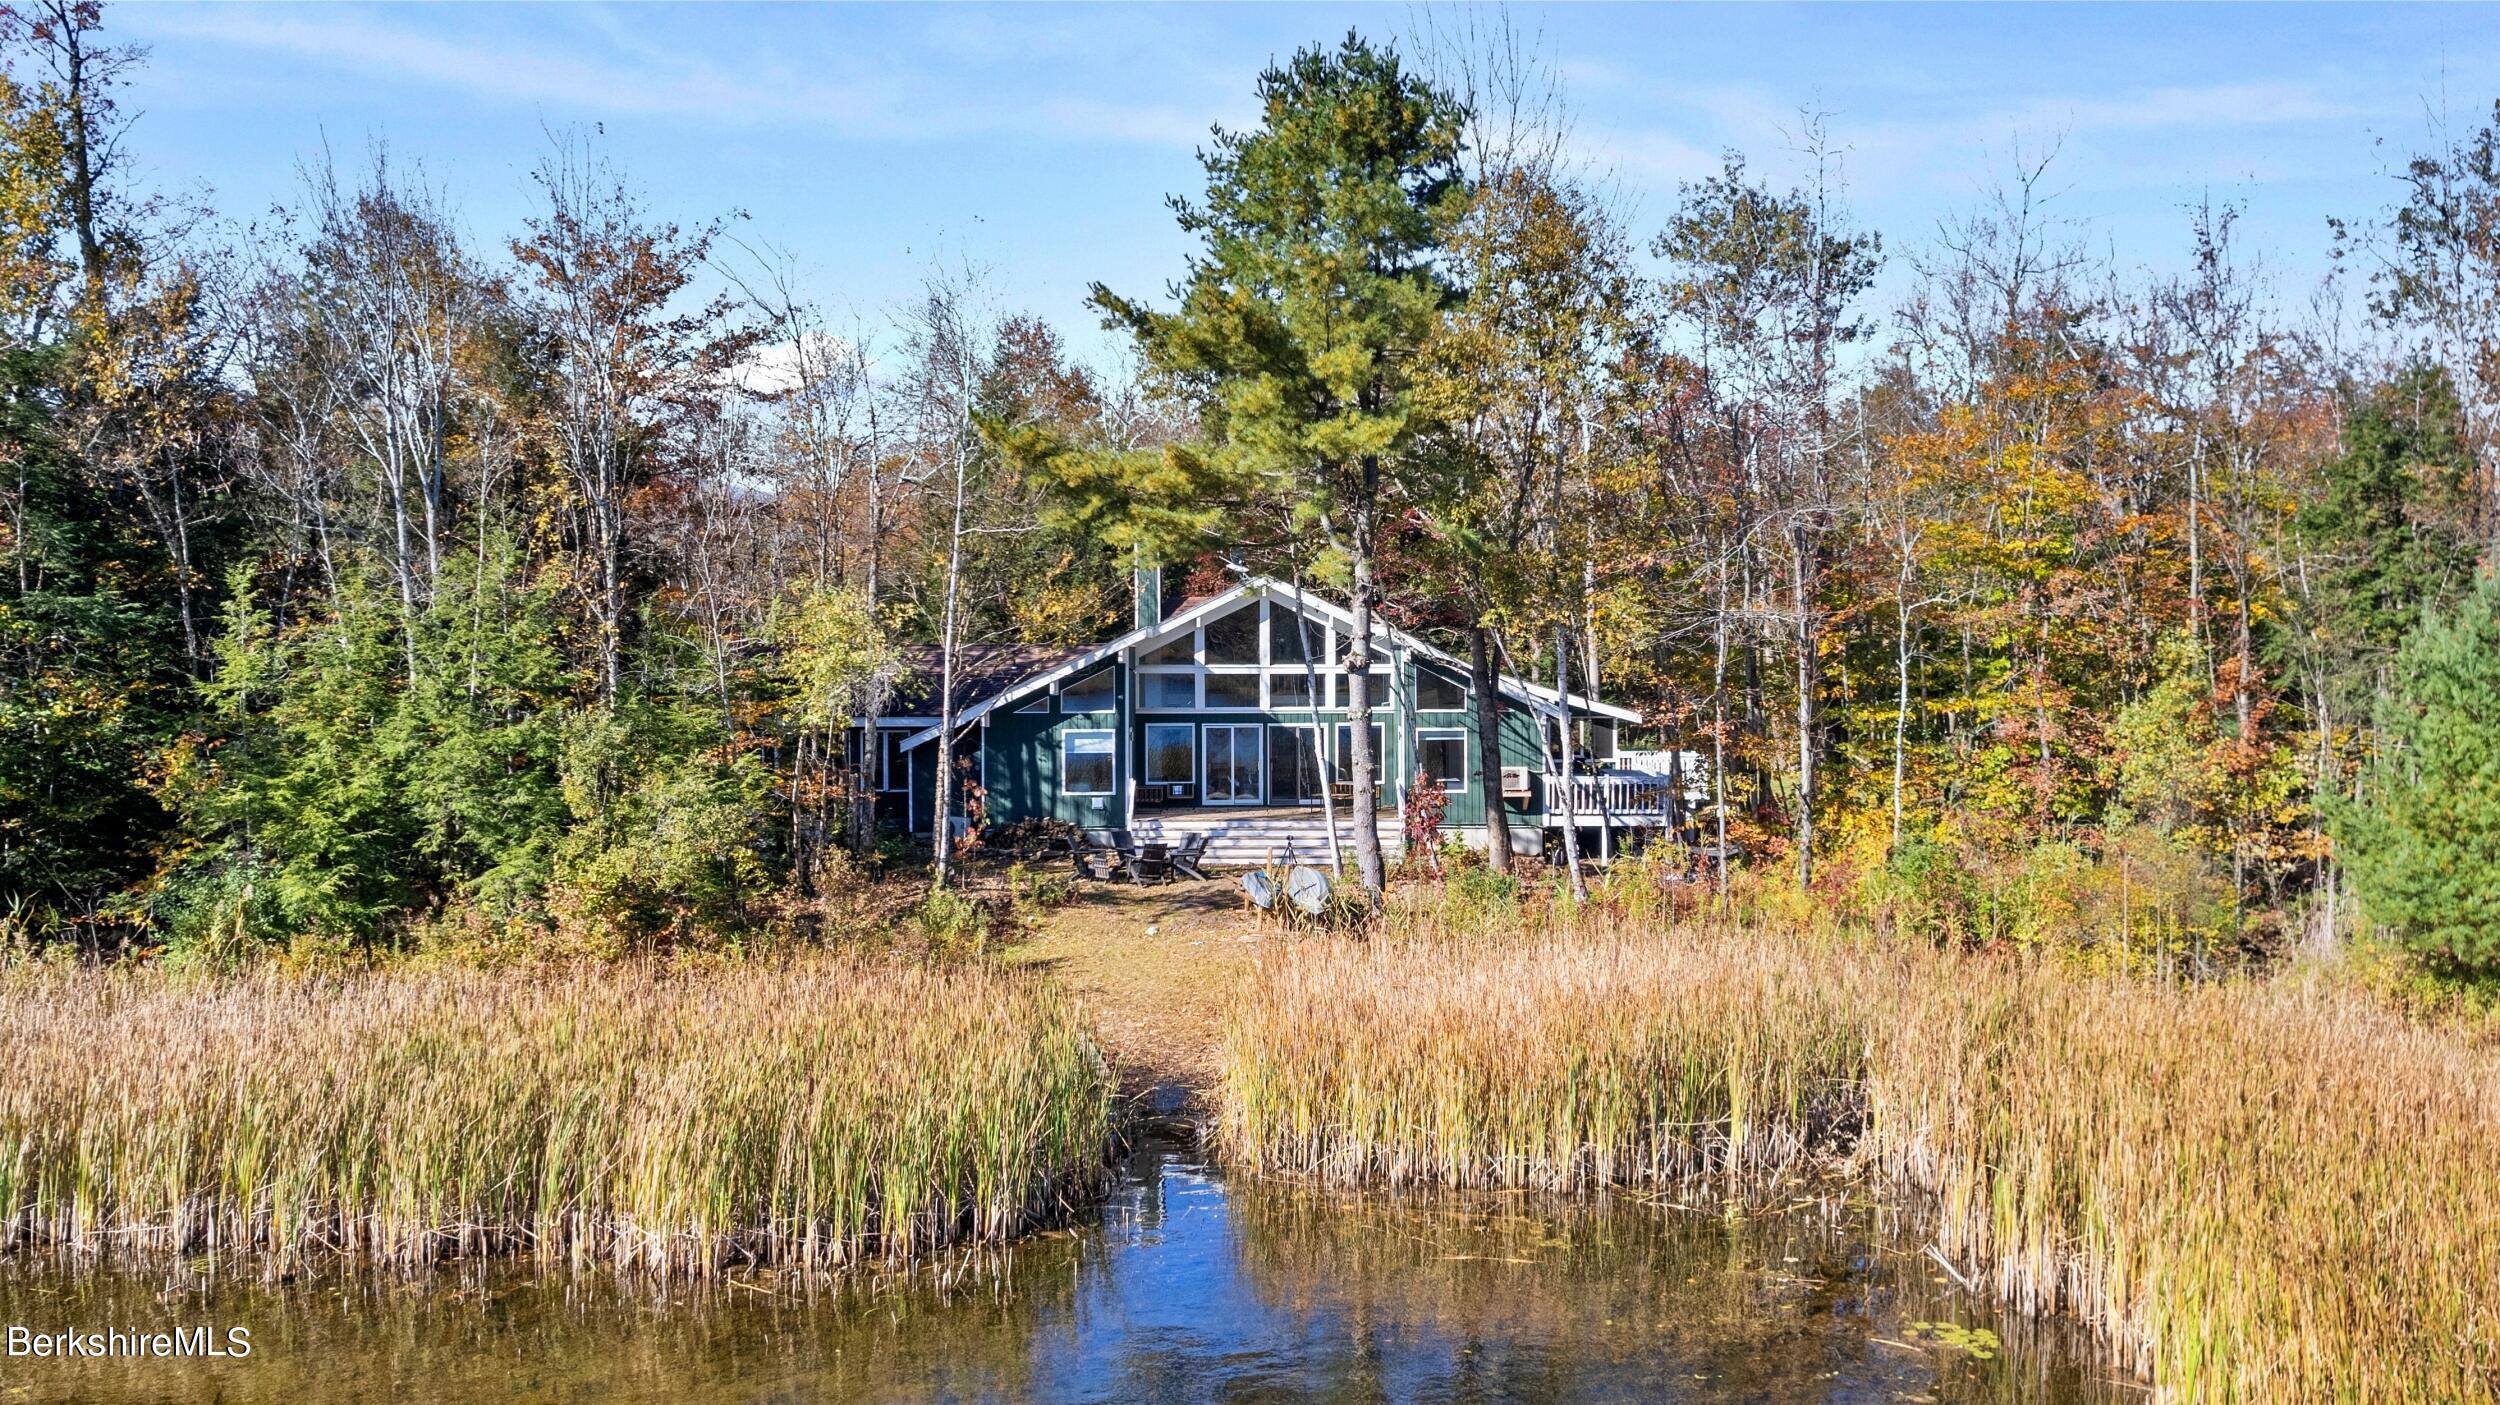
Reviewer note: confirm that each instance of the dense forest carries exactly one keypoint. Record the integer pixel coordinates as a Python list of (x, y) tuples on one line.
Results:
[(370, 583)]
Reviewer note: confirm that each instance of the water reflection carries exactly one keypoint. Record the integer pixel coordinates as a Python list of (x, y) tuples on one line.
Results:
[(1188, 1290)]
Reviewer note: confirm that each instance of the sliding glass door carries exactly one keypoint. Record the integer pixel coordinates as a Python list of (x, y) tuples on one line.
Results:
[(1232, 769)]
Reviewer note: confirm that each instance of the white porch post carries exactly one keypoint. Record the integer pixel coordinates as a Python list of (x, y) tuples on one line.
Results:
[(1125, 709), (1402, 717)]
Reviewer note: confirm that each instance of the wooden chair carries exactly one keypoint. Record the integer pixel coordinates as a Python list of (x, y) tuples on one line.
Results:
[(1193, 847), (1152, 863), (1103, 854)]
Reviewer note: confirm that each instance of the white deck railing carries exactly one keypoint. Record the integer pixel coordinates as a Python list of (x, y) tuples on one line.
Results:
[(1623, 797), (1657, 763)]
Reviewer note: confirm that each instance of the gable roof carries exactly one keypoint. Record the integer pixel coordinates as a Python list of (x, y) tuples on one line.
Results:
[(1537, 699)]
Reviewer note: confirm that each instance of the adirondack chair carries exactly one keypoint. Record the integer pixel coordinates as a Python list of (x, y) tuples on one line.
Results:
[(1104, 854), (1152, 863), (1193, 847)]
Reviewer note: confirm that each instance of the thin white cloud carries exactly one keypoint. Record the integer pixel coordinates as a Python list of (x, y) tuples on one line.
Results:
[(1646, 158), (621, 71), (2205, 108), (2148, 112), (1753, 120)]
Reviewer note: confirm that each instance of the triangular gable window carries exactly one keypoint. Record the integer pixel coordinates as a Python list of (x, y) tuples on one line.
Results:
[(1092, 693)]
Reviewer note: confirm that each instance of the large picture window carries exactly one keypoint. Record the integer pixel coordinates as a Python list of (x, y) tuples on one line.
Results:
[(1085, 762), (1092, 693), (1171, 753)]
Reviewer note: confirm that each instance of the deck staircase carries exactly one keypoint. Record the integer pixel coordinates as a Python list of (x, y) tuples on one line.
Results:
[(1256, 838)]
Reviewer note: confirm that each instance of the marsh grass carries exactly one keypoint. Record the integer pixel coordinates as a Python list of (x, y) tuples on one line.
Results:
[(2263, 1190), (810, 1115)]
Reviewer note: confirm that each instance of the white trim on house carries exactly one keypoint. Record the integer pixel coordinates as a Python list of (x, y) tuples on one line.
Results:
[(1537, 699), (1110, 754), (1451, 784)]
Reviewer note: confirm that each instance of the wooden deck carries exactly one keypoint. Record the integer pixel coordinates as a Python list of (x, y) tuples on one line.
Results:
[(1192, 814), (1252, 836)]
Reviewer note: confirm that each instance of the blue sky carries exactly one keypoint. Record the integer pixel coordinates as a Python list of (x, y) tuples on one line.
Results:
[(1041, 141)]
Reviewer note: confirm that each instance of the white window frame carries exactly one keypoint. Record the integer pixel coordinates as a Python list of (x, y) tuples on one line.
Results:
[(1195, 656), (1110, 676), (1272, 616), (1466, 692), (886, 780), (1323, 637), (1110, 752), (1188, 729), (1257, 610), (1341, 754), (1319, 758), (1146, 676), (1232, 739), (1384, 688), (1206, 687), (1450, 785), (1294, 671)]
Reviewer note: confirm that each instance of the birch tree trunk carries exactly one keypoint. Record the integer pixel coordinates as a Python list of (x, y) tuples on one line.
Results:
[(1809, 695), (1365, 766), (1562, 724), (1487, 686), (943, 800)]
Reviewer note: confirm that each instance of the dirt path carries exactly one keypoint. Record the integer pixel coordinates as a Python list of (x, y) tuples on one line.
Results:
[(1152, 968)]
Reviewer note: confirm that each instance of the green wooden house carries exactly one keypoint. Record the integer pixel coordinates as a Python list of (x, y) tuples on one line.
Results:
[(1227, 716)]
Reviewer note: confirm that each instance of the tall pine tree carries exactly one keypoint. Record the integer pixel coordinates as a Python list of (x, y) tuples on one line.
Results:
[(2423, 842), (1303, 313)]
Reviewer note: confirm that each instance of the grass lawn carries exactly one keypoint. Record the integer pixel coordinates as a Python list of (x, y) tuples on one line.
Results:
[(1153, 971)]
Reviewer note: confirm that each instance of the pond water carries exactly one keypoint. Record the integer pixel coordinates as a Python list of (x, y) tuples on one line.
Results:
[(1183, 1288)]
